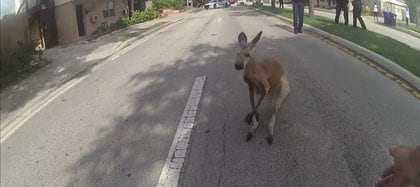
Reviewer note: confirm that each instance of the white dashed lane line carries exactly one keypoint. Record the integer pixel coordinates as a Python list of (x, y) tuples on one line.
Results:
[(177, 152)]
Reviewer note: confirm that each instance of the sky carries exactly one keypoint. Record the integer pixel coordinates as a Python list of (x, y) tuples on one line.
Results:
[(7, 7)]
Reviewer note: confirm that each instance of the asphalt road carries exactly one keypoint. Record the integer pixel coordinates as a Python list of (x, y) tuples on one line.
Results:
[(116, 126)]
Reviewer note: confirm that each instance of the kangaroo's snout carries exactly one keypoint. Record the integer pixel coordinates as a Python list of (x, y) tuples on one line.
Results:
[(239, 66)]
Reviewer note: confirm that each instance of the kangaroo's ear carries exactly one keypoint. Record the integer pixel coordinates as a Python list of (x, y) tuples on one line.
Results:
[(242, 39), (256, 39)]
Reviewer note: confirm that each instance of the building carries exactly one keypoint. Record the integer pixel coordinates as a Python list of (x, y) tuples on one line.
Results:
[(395, 6), (76, 19), (52, 22)]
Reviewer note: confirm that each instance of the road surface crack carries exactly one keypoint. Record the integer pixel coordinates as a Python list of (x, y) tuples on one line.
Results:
[(224, 151)]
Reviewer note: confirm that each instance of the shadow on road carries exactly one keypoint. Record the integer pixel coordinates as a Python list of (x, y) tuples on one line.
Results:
[(140, 138)]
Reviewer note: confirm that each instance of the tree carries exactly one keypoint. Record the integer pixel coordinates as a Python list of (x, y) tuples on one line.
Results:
[(273, 3), (412, 5), (311, 7)]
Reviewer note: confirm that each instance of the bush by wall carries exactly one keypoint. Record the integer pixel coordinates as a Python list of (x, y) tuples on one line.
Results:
[(137, 17), (15, 63), (166, 4)]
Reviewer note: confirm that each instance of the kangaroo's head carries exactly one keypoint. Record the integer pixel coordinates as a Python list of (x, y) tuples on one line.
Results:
[(244, 55)]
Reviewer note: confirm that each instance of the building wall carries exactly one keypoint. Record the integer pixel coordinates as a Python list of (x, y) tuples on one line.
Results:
[(396, 9), (13, 29), (35, 34), (95, 9), (93, 17), (65, 16)]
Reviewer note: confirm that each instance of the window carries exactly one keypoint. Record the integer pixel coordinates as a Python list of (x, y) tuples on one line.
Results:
[(108, 9)]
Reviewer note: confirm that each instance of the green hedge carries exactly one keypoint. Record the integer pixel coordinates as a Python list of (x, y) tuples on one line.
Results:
[(137, 17), (166, 4), (145, 15)]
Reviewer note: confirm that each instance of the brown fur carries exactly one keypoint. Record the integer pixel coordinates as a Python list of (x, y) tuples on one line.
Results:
[(265, 78)]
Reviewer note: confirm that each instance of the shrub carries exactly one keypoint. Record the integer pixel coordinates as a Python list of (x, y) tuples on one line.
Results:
[(16, 62), (142, 16), (102, 30), (164, 4), (119, 24), (137, 17)]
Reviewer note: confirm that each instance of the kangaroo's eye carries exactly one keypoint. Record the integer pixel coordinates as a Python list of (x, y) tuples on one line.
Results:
[(247, 54)]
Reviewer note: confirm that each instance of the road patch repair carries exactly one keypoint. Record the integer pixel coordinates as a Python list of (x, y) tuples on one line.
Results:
[(178, 150), (393, 71)]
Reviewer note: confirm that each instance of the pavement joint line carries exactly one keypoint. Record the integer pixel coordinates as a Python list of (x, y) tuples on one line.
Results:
[(224, 152), (362, 58), (178, 151)]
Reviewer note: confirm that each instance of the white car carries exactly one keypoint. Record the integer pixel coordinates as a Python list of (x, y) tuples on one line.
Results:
[(213, 4), (241, 2), (249, 2)]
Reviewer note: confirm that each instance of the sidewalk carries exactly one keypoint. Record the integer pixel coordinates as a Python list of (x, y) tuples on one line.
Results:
[(371, 25), (68, 62)]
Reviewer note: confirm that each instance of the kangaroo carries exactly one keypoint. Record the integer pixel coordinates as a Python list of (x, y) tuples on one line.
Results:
[(266, 78)]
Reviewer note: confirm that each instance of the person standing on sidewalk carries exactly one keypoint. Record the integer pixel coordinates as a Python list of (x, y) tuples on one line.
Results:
[(375, 12), (281, 4), (407, 17), (298, 15), (357, 14), (342, 5)]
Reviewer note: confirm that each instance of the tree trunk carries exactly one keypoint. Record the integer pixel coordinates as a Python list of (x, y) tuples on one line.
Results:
[(311, 7), (129, 9), (273, 3)]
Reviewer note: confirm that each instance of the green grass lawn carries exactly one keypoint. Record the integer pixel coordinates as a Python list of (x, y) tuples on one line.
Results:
[(392, 49), (411, 27)]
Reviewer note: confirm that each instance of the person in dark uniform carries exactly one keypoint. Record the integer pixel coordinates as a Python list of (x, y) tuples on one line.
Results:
[(357, 12), (298, 15), (281, 4), (342, 5)]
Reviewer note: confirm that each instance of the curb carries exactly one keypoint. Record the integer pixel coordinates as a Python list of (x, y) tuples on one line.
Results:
[(384, 62)]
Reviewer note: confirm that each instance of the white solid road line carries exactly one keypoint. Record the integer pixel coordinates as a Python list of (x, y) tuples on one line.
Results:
[(30, 112), (178, 150)]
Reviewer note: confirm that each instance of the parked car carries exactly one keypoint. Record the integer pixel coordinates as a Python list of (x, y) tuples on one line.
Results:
[(257, 2), (241, 2), (214, 4), (249, 2)]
